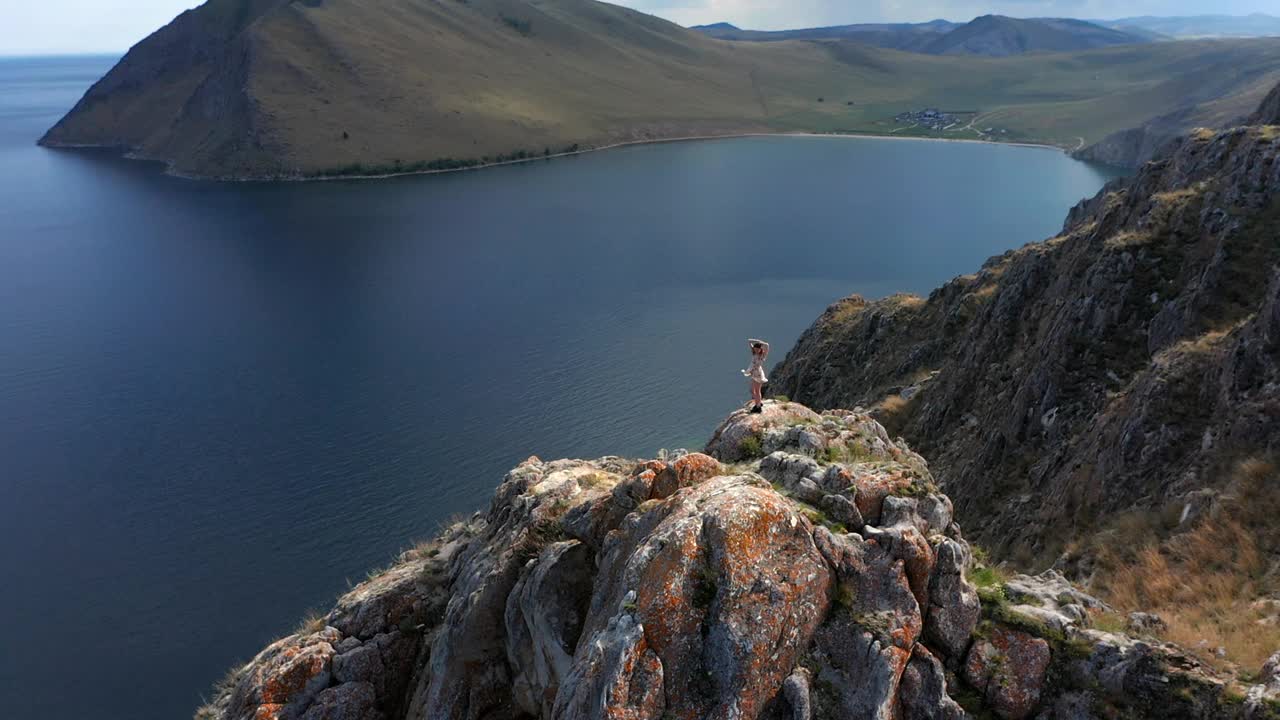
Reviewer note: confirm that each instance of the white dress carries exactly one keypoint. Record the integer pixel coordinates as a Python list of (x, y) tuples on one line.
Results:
[(756, 373)]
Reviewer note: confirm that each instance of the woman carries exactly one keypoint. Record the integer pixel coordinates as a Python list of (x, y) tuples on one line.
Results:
[(759, 353)]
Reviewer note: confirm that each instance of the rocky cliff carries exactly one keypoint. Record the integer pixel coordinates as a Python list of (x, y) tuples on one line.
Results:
[(804, 567), (1125, 366)]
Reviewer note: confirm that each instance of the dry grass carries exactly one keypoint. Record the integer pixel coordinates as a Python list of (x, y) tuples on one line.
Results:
[(1128, 239), (892, 412), (908, 302), (847, 310), (312, 623), (1208, 342), (986, 292), (1205, 582)]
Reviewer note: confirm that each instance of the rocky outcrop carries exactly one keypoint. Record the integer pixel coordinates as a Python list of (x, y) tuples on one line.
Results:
[(650, 590), (686, 588), (1124, 366)]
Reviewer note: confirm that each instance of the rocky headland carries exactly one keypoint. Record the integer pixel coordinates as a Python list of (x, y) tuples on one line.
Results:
[(804, 567)]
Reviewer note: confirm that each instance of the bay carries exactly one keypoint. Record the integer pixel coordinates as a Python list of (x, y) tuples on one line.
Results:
[(220, 404)]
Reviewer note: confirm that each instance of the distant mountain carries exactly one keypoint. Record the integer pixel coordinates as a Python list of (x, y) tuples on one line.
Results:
[(999, 36), (714, 28), (911, 37), (990, 35), (1202, 26)]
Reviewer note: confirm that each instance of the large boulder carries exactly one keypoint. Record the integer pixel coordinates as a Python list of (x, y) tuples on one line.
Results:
[(1008, 667), (723, 587), (954, 607)]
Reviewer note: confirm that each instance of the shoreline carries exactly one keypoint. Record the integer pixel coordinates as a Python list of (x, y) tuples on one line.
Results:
[(655, 141), (131, 155)]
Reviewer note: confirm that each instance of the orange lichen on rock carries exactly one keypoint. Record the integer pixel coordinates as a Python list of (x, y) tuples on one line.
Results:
[(1008, 667), (695, 468), (728, 588), (873, 488)]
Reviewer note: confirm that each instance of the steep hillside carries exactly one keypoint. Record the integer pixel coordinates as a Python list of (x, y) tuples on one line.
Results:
[(1124, 369), (999, 36), (824, 580), (251, 87), (271, 88)]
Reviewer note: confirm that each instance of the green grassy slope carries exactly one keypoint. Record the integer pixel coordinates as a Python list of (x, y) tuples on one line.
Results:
[(273, 87)]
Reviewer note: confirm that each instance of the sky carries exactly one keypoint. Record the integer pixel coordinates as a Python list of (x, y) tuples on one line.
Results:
[(36, 27)]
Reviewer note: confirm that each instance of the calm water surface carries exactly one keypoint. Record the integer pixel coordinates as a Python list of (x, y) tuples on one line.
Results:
[(221, 402)]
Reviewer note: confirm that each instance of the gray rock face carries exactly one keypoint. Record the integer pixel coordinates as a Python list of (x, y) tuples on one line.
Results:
[(954, 606), (469, 676), (797, 691), (923, 690), (1263, 698), (544, 618), (842, 510), (349, 701)]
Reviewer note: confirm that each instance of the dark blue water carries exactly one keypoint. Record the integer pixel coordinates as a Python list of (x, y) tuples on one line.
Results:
[(220, 402)]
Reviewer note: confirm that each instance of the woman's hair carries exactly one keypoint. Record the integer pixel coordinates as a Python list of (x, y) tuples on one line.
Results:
[(757, 346)]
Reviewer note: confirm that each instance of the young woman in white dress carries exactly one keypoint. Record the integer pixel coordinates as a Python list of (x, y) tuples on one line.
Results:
[(755, 374)]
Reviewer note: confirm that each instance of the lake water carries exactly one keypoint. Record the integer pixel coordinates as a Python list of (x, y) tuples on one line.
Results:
[(219, 403)]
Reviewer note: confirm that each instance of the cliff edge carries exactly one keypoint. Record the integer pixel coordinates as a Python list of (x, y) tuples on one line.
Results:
[(804, 567)]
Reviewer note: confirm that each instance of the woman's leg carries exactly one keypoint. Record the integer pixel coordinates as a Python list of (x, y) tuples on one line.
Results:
[(757, 392)]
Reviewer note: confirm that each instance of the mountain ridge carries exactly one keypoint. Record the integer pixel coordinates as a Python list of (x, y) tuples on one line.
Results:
[(987, 35), (999, 36)]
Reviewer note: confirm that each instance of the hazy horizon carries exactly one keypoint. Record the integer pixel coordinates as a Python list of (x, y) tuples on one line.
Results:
[(86, 27)]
